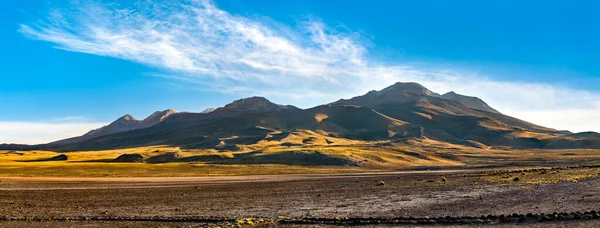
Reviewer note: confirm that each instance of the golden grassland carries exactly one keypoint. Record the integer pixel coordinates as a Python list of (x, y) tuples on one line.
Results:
[(303, 152), (90, 164), (543, 176)]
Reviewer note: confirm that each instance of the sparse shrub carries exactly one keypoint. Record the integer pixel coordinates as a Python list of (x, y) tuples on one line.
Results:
[(516, 179)]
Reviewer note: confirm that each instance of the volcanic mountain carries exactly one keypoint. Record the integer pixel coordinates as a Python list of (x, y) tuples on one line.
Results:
[(124, 123), (394, 114)]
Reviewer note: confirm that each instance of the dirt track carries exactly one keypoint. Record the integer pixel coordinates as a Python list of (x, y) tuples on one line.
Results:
[(405, 194)]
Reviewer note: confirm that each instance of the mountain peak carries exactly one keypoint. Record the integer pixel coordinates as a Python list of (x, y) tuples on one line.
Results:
[(408, 87), (124, 123), (398, 92), (162, 113), (156, 118), (252, 99), (126, 117), (250, 102), (450, 93), (254, 104), (208, 110)]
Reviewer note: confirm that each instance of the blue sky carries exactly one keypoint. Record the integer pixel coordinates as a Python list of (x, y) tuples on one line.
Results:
[(69, 66)]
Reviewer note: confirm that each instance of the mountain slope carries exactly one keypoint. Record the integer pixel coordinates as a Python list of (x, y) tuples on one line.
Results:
[(155, 118), (448, 120), (471, 102), (124, 123), (251, 105), (396, 113)]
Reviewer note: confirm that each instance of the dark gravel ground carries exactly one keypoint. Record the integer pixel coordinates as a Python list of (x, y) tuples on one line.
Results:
[(402, 195)]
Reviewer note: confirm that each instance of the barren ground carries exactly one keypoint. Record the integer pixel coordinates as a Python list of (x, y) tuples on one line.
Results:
[(405, 194)]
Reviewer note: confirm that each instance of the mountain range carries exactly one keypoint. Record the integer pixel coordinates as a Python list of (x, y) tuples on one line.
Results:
[(125, 123), (394, 114)]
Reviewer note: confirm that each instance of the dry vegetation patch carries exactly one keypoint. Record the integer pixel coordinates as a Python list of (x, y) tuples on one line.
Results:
[(296, 152)]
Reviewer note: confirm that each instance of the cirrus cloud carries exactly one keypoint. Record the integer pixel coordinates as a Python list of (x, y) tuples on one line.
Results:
[(195, 42)]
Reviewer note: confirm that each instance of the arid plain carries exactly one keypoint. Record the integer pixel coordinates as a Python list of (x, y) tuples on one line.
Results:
[(390, 186)]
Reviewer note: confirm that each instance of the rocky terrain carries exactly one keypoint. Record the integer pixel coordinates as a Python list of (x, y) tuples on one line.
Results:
[(544, 197)]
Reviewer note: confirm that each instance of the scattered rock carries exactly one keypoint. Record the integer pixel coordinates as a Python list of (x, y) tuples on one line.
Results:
[(61, 157), (229, 147), (516, 179), (380, 183), (129, 158), (165, 158)]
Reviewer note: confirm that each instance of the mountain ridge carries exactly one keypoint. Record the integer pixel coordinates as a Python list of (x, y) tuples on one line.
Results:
[(397, 112), (124, 123)]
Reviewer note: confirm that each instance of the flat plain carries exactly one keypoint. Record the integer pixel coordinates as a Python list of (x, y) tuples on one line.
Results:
[(89, 189)]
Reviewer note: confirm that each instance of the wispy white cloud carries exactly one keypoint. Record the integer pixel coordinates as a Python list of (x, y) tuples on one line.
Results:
[(42, 132), (71, 119), (201, 45)]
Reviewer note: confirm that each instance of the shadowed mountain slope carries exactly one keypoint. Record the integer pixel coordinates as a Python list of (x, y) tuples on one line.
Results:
[(449, 120), (393, 114), (471, 102), (124, 123)]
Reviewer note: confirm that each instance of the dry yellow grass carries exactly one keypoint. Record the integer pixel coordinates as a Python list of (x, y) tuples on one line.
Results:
[(79, 165), (544, 176), (278, 157), (320, 117)]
